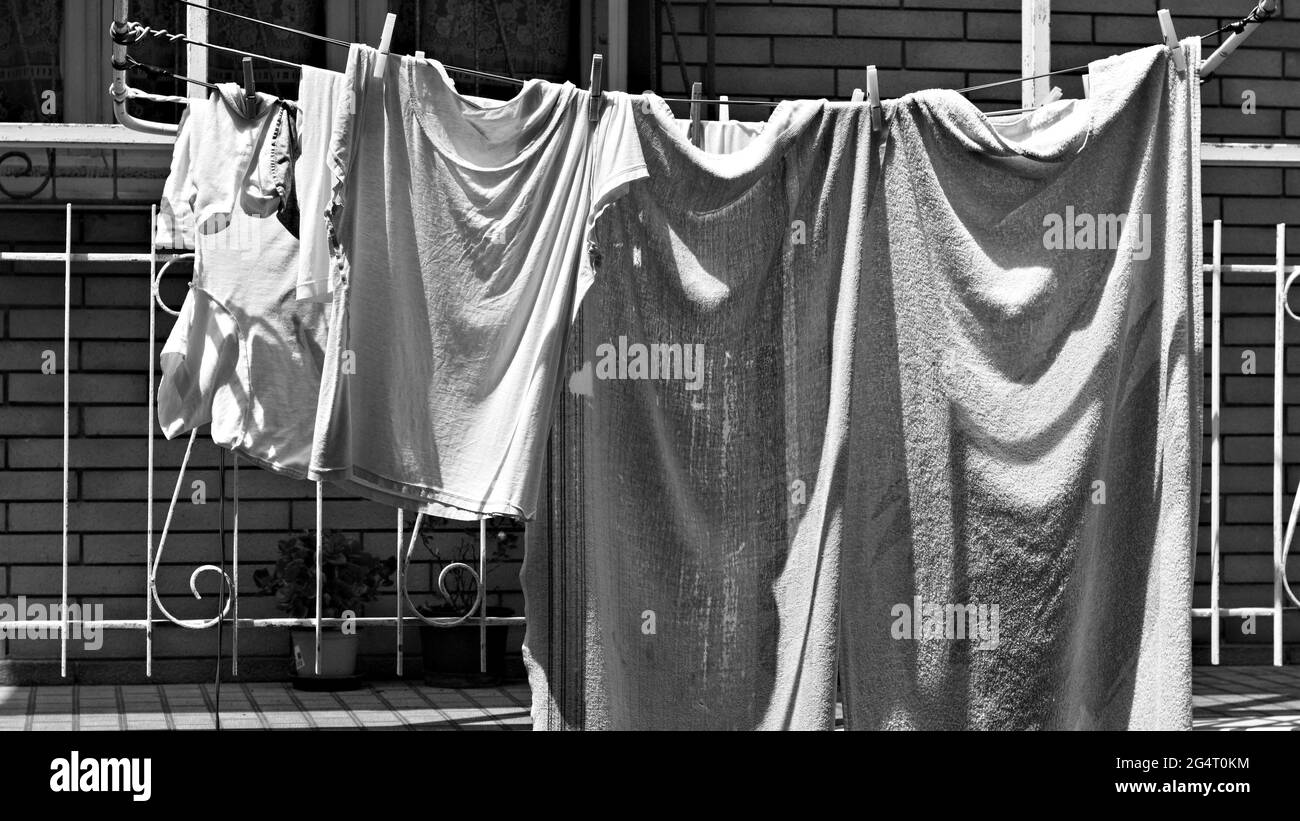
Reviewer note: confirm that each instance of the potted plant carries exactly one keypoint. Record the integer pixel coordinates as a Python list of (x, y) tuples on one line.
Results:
[(451, 654), (350, 578)]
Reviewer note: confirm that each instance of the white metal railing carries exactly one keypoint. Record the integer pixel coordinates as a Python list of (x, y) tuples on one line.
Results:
[(229, 611), (1282, 535), (1283, 278)]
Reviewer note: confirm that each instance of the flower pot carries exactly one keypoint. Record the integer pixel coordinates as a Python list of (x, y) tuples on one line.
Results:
[(338, 654), (451, 654)]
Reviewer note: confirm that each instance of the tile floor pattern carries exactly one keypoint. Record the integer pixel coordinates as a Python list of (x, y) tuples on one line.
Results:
[(1257, 698), (1246, 698), (381, 705)]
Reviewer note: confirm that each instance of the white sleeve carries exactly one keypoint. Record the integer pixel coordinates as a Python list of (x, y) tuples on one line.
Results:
[(616, 162)]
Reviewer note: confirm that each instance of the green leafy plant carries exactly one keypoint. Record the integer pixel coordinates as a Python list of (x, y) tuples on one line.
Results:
[(350, 576), (461, 588)]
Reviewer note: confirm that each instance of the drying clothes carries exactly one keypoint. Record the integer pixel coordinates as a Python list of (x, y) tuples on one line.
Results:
[(1000, 320), (318, 95), (1026, 422), (685, 573), (244, 354), (460, 228)]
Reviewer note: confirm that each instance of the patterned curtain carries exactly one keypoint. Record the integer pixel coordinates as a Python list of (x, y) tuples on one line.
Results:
[(519, 38), (158, 14), (29, 60), (304, 15)]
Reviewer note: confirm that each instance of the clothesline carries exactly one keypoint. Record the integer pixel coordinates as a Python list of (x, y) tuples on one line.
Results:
[(1257, 15), (136, 32), (158, 72), (322, 38)]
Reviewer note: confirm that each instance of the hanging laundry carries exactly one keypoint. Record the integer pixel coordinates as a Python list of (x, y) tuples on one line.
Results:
[(459, 230), (318, 96), (685, 574), (244, 354), (1026, 424), (954, 375)]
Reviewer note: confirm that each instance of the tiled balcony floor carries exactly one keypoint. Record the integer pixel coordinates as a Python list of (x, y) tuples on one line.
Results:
[(1257, 698), (1246, 698), (381, 705)]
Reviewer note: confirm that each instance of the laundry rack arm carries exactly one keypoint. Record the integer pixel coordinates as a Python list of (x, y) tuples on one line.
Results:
[(120, 91), (1263, 11)]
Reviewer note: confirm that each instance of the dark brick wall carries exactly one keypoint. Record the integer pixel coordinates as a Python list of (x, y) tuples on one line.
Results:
[(809, 48)]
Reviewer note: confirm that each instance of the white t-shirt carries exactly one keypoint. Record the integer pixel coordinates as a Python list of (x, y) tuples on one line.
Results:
[(461, 230), (244, 354)]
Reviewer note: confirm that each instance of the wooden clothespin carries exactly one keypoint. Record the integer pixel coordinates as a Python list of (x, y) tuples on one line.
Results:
[(1086, 89), (724, 110), (1054, 95), (385, 43), (250, 88), (1171, 39), (697, 128), (857, 96), (419, 55), (595, 95), (873, 99)]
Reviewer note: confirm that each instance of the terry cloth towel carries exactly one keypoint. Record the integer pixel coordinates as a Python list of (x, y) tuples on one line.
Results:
[(1026, 422), (458, 230), (684, 574)]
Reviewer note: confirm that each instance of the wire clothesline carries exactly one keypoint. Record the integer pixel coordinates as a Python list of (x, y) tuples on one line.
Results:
[(135, 32), (1258, 14), (334, 41), (1074, 69), (158, 72), (321, 37)]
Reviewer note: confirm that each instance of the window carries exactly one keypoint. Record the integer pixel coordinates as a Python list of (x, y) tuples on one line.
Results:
[(55, 68), (31, 77), (522, 39)]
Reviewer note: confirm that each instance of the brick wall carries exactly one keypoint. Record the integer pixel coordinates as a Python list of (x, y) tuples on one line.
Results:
[(810, 48), (108, 459)]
